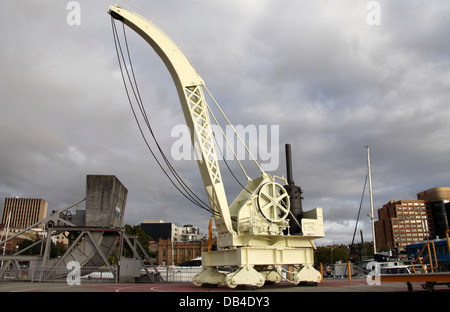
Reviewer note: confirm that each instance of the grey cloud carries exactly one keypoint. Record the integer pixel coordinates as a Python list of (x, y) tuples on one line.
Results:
[(331, 82)]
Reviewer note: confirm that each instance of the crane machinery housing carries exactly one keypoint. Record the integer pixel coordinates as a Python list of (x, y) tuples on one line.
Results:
[(264, 229)]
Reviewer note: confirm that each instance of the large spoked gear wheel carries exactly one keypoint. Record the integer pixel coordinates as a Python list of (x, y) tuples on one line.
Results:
[(273, 202)]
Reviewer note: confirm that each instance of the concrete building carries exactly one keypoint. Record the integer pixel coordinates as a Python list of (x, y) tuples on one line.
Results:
[(178, 252), (174, 244), (21, 213), (402, 222)]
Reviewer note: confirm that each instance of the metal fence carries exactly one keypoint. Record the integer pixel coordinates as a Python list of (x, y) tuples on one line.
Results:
[(165, 274), (173, 274), (60, 274)]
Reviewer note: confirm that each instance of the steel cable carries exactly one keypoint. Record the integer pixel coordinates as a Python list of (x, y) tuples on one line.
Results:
[(180, 185)]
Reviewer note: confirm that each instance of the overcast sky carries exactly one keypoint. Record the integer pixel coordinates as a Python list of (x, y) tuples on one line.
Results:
[(333, 76)]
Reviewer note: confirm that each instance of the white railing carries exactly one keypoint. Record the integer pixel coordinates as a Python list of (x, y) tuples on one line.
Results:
[(173, 274), (170, 274), (59, 274)]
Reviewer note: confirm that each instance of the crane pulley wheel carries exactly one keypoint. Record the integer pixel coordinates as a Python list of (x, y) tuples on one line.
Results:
[(273, 202)]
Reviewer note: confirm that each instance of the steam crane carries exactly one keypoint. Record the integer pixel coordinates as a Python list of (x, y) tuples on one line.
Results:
[(264, 230)]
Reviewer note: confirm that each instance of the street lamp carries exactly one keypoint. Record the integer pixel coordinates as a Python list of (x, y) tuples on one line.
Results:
[(332, 254)]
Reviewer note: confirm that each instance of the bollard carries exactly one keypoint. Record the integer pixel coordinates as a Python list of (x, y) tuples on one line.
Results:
[(321, 271)]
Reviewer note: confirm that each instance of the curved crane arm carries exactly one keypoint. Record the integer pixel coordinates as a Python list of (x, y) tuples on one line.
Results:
[(190, 91)]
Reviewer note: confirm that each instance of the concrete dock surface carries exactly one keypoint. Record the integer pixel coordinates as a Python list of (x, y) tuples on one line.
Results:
[(328, 285)]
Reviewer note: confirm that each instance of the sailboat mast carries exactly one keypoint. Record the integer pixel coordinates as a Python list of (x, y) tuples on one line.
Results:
[(372, 216)]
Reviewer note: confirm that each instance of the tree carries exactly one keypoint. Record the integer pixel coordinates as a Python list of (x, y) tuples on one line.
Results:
[(323, 254), (35, 250), (56, 250), (360, 251)]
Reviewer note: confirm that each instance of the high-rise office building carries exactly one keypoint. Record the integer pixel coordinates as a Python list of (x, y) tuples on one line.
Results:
[(402, 222), (23, 212)]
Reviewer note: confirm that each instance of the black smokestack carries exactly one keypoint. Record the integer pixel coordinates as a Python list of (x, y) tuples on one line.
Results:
[(295, 195), (290, 179)]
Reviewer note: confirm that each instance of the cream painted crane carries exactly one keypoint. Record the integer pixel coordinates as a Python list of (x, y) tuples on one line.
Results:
[(254, 235)]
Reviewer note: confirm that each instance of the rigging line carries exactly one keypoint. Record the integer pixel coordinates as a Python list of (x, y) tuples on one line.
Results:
[(188, 196), (229, 169), (144, 114), (223, 157), (194, 198), (226, 140), (232, 127), (118, 47), (359, 211)]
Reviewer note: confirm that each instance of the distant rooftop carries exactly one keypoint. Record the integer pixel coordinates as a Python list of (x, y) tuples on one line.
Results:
[(153, 221)]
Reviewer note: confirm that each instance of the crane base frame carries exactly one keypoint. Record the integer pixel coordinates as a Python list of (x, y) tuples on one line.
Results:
[(256, 265)]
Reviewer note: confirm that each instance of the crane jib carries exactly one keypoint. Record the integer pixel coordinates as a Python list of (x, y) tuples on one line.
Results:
[(116, 15)]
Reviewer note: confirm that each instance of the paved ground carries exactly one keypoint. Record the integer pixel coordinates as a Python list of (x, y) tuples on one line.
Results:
[(332, 285)]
